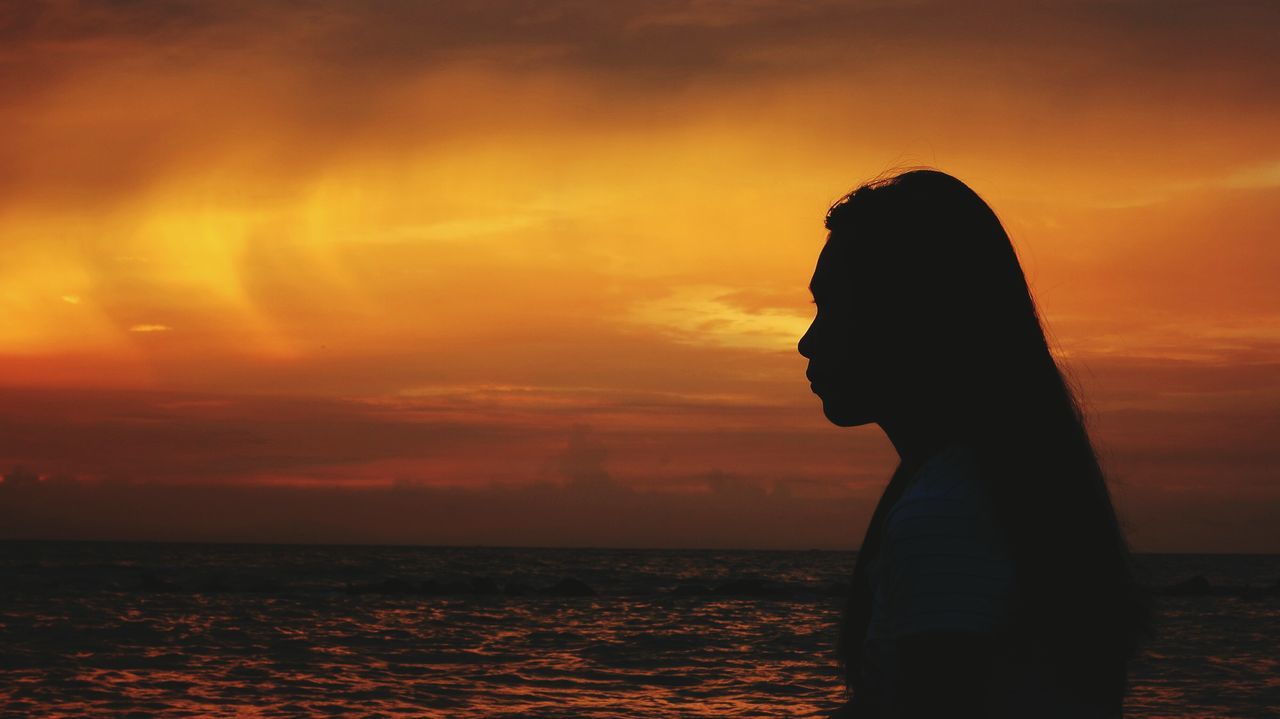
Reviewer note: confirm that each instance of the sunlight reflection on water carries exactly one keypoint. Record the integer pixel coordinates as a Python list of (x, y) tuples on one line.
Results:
[(82, 640)]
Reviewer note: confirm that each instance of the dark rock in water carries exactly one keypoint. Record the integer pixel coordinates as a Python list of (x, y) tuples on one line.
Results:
[(261, 584), (836, 589), (752, 587), (1196, 586), (390, 585), (484, 585), (215, 585), (476, 585), (1246, 592), (152, 583), (454, 588), (395, 585), (517, 589), (570, 587)]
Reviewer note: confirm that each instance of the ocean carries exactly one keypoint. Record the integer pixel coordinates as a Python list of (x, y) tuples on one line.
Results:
[(106, 629)]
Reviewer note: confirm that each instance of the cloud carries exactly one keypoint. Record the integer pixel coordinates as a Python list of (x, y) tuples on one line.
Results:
[(454, 231), (150, 328), (1264, 175), (289, 92), (736, 514), (1189, 447), (582, 462), (707, 315), (187, 437), (539, 514), (694, 35)]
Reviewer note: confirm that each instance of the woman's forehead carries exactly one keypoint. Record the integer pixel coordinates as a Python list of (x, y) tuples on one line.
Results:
[(832, 269), (841, 276)]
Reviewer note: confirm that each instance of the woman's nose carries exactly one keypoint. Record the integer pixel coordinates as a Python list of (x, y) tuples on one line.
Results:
[(806, 342)]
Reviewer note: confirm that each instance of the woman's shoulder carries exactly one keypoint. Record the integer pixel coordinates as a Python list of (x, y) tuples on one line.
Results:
[(949, 484), (945, 564), (941, 535)]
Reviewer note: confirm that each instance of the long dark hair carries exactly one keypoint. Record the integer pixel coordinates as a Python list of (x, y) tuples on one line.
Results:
[(949, 304)]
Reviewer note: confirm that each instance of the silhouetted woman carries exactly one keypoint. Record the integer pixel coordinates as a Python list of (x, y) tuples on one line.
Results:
[(994, 579)]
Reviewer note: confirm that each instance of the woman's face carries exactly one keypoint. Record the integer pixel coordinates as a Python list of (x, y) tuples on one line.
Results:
[(839, 348)]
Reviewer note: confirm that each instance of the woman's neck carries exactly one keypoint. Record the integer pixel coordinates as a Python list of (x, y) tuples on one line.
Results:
[(917, 438)]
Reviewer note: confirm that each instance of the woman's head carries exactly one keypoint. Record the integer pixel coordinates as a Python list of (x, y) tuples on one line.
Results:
[(921, 303), (924, 314)]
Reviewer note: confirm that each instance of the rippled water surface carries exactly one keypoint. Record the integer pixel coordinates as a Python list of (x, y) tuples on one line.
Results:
[(107, 629)]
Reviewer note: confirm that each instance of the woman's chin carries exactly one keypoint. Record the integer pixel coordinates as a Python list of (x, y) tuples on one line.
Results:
[(843, 416)]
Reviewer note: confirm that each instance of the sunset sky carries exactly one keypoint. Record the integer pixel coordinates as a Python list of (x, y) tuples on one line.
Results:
[(534, 272)]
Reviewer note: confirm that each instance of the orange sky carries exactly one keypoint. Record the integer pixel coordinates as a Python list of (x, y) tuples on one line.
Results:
[(534, 274)]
